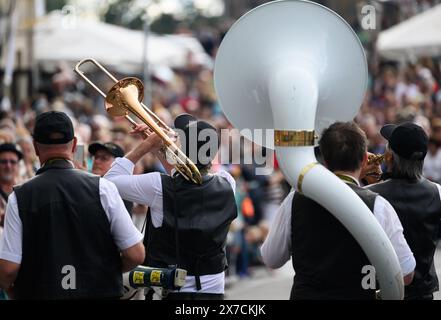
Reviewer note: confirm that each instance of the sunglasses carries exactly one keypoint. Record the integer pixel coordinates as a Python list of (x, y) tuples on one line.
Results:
[(6, 161)]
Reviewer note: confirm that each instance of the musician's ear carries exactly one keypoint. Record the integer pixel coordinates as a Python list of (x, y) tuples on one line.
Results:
[(74, 144), (389, 157), (37, 150), (365, 159)]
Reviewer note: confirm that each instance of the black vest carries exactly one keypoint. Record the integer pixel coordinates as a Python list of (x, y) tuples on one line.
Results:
[(326, 258), (418, 206), (65, 224), (204, 213)]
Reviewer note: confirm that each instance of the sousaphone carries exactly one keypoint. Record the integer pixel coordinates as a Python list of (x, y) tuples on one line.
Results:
[(297, 67)]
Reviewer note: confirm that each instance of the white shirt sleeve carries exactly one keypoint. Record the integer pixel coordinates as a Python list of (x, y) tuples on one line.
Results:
[(11, 240), (389, 221), (142, 188), (276, 249), (123, 231)]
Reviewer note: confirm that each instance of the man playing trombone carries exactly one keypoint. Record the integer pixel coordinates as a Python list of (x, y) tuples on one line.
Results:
[(416, 200), (187, 223)]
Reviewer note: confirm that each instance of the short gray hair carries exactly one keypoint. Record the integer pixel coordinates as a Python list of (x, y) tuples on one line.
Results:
[(62, 146), (405, 168)]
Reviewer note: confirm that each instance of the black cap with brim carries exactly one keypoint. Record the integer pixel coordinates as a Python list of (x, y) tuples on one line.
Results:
[(187, 124), (110, 147), (10, 147), (408, 140), (183, 120), (53, 127), (387, 130)]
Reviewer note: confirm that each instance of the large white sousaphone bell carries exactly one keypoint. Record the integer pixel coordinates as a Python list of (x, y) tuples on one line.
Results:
[(297, 67)]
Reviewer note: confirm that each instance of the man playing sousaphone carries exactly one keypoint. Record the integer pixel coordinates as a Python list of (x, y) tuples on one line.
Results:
[(187, 223), (328, 262)]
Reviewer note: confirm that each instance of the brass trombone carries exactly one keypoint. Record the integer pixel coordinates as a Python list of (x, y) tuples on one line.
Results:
[(375, 173), (126, 95), (375, 159)]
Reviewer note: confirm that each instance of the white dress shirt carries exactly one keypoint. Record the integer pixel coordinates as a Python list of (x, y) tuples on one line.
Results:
[(147, 189), (276, 250), (122, 229)]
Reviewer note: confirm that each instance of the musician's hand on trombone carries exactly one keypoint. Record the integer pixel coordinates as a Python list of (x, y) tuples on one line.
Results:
[(144, 129), (151, 144)]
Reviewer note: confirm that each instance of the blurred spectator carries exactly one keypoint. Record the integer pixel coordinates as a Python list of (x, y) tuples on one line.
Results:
[(432, 162), (10, 156), (6, 136), (30, 163), (436, 130), (103, 155)]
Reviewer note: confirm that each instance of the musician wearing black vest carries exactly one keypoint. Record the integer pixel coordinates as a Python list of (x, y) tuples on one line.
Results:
[(67, 233), (327, 260), (416, 201), (187, 223)]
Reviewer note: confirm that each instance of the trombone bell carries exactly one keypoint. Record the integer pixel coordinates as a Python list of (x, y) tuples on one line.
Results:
[(115, 104)]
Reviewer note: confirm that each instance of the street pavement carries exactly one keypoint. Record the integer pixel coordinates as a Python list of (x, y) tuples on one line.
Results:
[(266, 284)]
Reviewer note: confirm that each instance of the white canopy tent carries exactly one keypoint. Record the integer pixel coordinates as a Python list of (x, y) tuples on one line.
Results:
[(413, 38), (113, 46)]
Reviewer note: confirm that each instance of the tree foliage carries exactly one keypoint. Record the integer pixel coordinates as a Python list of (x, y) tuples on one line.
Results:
[(117, 13), (166, 23), (55, 5)]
